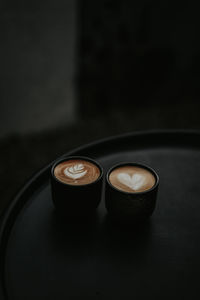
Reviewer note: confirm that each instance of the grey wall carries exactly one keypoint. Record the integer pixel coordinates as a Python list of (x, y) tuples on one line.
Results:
[(38, 51)]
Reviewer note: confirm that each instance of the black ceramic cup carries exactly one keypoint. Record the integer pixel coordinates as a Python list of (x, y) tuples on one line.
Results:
[(76, 200), (130, 206)]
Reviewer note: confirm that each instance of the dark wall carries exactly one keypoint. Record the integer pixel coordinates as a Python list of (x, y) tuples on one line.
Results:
[(37, 65), (128, 57), (136, 53)]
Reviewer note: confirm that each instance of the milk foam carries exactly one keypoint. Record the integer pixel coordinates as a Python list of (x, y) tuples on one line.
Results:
[(76, 171), (130, 178), (135, 182)]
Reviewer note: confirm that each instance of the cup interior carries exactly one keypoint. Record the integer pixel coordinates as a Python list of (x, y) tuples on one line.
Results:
[(132, 164), (83, 158)]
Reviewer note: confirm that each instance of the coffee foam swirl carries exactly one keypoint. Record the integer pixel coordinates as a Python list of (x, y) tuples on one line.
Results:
[(76, 172), (132, 179)]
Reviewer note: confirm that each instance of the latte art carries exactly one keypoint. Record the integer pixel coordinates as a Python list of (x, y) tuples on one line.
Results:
[(132, 179), (135, 182), (76, 172)]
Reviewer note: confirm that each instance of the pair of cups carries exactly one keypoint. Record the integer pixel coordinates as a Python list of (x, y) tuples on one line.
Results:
[(80, 200)]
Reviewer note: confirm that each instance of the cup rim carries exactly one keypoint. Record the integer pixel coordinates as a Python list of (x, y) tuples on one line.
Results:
[(66, 158), (144, 166)]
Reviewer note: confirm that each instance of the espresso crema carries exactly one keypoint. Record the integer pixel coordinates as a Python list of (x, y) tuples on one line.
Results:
[(77, 172), (132, 179)]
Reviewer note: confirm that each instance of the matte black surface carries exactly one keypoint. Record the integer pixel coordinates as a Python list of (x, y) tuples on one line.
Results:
[(46, 260)]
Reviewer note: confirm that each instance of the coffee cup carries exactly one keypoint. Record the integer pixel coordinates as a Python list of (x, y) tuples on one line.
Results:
[(131, 191), (76, 184)]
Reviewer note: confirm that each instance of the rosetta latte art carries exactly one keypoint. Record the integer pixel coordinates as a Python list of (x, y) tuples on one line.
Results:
[(76, 171)]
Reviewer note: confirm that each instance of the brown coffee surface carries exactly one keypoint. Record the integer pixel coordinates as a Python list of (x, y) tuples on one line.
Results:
[(132, 179), (76, 172)]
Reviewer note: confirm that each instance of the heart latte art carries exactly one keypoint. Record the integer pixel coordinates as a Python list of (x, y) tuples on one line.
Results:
[(132, 179), (76, 172), (135, 182)]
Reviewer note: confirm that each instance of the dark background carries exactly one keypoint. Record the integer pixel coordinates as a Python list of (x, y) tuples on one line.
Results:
[(75, 71)]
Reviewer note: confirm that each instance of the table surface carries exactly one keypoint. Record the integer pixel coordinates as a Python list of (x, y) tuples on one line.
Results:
[(48, 259)]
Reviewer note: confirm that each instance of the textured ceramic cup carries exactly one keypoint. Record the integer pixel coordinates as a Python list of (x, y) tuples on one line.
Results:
[(130, 206), (76, 200)]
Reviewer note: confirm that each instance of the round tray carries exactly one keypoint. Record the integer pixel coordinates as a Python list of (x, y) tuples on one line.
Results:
[(44, 258)]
